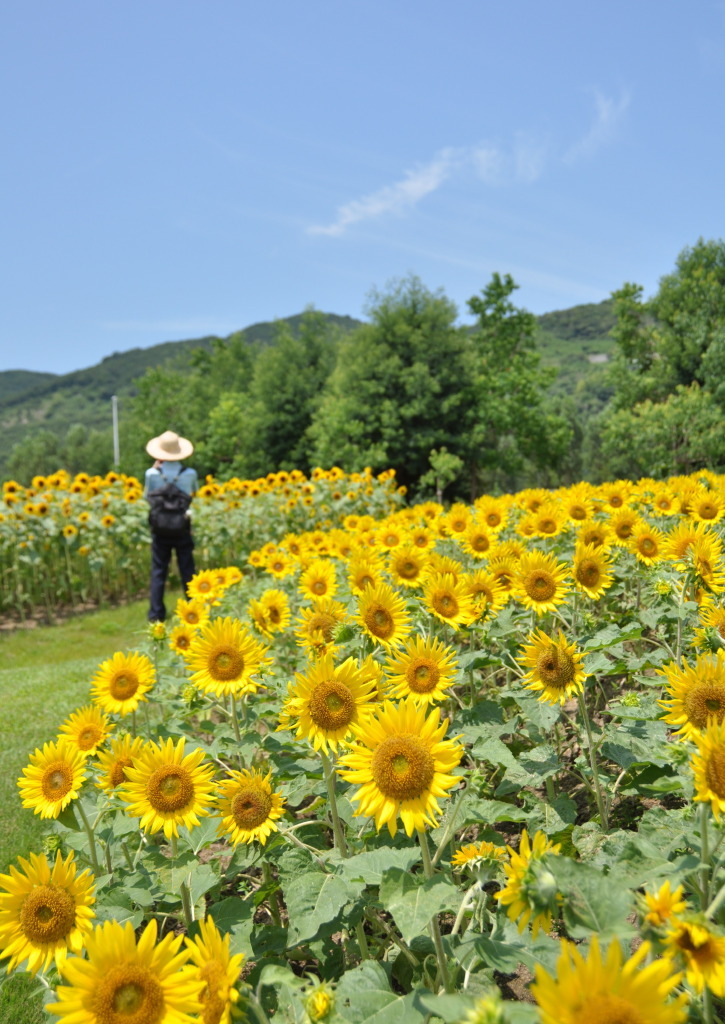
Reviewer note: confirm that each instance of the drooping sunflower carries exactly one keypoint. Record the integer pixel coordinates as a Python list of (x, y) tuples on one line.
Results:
[(123, 981), (708, 766), (700, 946), (403, 765), (592, 570), (53, 778), (45, 911), (608, 990), (516, 896), (423, 669), (706, 555), (449, 598), (325, 703), (697, 693), (181, 638), (710, 634), (383, 616), (318, 580), (249, 807), (555, 667), (472, 854), (316, 625), (122, 682), (87, 729), (540, 582), (224, 659), (114, 761), (166, 787), (219, 971), (406, 565)]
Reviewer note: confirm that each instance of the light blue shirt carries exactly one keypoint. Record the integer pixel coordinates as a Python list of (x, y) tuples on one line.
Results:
[(186, 480)]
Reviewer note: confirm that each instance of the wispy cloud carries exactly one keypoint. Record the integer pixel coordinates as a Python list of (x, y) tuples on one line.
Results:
[(396, 198), (609, 113)]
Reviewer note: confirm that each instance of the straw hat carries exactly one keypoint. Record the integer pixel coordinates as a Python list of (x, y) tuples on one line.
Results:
[(169, 447)]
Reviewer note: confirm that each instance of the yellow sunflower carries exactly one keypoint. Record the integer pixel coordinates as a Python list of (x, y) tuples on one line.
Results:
[(324, 704), (114, 761), (663, 905), (592, 570), (45, 911), (224, 658), (192, 613), (477, 540), (165, 787), (706, 555), (122, 682), (449, 598), (402, 764), (540, 582), (518, 894), (206, 586), (472, 854), (275, 605), (364, 571), (710, 635), (181, 639), (555, 667), (492, 512), (249, 807), (123, 981), (53, 778), (697, 693), (680, 539), (87, 729), (706, 506), (382, 614), (219, 971), (701, 947), (708, 766), (423, 669), (615, 495), (316, 625), (406, 564), (664, 502), (609, 990), (593, 531), (577, 503), (488, 594), (318, 581)]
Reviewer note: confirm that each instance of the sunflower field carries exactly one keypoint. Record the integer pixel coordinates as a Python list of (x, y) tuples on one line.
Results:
[(422, 763)]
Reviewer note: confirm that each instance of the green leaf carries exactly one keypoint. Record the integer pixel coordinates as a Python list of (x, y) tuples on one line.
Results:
[(200, 836), (593, 902), (234, 916), (114, 912), (413, 900), (369, 867), (363, 996), (314, 900)]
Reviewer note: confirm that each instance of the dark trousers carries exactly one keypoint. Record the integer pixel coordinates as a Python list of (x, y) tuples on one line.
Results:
[(161, 549)]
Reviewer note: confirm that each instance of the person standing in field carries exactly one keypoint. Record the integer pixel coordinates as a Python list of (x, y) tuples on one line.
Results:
[(169, 487)]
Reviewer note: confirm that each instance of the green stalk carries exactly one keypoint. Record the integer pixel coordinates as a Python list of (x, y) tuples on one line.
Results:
[(184, 888), (599, 796), (704, 854), (273, 905), (91, 838), (435, 930)]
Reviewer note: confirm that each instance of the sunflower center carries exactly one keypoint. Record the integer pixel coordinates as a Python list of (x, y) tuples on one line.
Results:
[(588, 573), (555, 668), (225, 663), (319, 587), (446, 605), (578, 512), (332, 705), (183, 642), (213, 974), (647, 546), (170, 788), (408, 569), (320, 622), (547, 526), (192, 618), (422, 675), (493, 519), (704, 701), (480, 542), (274, 615), (380, 622), (251, 807), (48, 914), (540, 587), (89, 737), (707, 511), (129, 994), (623, 530), (57, 780), (609, 1009), (123, 685), (402, 767), (117, 774), (715, 772)]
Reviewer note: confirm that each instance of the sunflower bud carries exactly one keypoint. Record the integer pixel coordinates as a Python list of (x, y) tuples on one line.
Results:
[(663, 587), (711, 640), (320, 1003), (343, 632), (631, 700), (157, 631), (50, 843), (487, 1010), (190, 695), (540, 887)]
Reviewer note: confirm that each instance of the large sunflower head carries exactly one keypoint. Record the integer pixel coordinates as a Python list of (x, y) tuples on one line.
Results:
[(555, 667), (87, 729), (219, 971), (477, 539), (248, 807), (608, 990), (324, 703), (700, 947), (403, 765), (540, 582), (647, 543), (697, 694), (424, 669), (166, 787), (125, 981), (45, 911), (194, 613), (318, 580), (708, 766), (114, 761), (53, 778), (383, 616), (122, 682), (449, 598), (592, 570), (225, 658)]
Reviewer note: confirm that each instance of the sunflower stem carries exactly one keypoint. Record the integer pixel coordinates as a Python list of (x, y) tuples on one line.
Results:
[(599, 796), (127, 855), (183, 888), (92, 851), (707, 1008), (704, 854), (272, 898), (337, 830), (435, 930), (237, 733)]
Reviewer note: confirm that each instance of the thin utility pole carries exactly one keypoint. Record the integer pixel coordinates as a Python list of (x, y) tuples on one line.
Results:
[(116, 447)]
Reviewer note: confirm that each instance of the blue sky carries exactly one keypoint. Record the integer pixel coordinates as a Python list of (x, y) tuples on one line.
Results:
[(173, 169)]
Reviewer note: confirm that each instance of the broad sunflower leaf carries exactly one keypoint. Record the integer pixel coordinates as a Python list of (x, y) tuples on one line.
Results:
[(477, 811), (413, 900), (369, 867), (363, 996), (592, 901), (314, 900), (235, 917)]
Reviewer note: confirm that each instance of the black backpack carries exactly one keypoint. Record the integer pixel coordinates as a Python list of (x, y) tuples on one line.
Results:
[(168, 515)]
